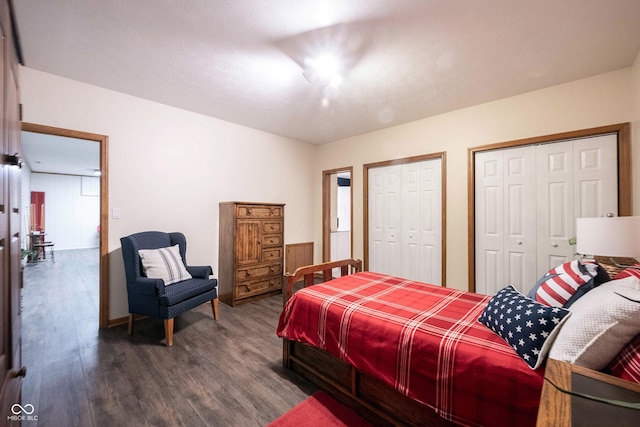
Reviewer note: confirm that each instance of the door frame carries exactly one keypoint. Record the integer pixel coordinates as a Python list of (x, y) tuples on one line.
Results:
[(104, 207), (326, 211), (413, 159), (622, 130)]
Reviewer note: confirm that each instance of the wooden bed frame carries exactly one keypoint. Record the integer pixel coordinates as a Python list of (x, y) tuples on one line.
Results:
[(373, 399)]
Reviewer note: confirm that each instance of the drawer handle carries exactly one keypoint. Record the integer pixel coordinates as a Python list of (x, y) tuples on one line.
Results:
[(248, 211), (247, 274), (248, 289)]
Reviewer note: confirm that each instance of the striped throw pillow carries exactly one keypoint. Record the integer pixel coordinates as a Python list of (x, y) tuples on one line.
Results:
[(164, 263), (563, 285)]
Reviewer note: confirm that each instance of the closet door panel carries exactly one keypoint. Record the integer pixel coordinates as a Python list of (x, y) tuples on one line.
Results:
[(431, 224), (520, 220), (422, 221), (596, 171), (384, 198), (555, 219), (411, 223), (489, 220)]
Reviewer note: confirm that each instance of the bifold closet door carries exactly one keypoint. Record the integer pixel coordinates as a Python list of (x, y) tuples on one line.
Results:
[(405, 220), (576, 179), (385, 220), (526, 203), (505, 219), (422, 221)]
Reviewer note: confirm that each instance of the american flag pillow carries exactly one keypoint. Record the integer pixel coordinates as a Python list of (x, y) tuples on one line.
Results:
[(526, 325), (563, 285)]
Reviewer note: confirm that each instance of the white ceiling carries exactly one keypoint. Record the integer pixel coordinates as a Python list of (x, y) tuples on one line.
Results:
[(57, 154), (240, 61)]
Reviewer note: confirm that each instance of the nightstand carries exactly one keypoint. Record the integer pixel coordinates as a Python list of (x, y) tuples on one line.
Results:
[(562, 409)]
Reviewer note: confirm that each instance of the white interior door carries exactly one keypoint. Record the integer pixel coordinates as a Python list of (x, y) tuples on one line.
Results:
[(578, 179), (595, 177), (422, 221), (554, 204), (520, 218), (526, 202), (385, 200), (489, 221), (405, 220), (505, 221)]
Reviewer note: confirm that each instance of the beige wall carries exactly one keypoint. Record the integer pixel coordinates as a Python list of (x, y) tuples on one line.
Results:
[(597, 101), (169, 168)]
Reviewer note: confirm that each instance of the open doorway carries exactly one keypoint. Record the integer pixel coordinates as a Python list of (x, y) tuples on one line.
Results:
[(337, 213), (96, 187)]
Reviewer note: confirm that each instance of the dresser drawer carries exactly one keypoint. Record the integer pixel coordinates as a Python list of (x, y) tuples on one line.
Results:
[(247, 289), (254, 272), (272, 227), (259, 211), (272, 254), (271, 240)]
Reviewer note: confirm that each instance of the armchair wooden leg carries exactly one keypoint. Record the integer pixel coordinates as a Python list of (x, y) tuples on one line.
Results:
[(168, 331), (214, 306), (130, 328)]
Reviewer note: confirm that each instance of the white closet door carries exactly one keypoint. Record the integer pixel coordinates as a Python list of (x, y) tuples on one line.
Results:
[(489, 204), (555, 204), (385, 221), (596, 170), (526, 202), (422, 221), (520, 218), (505, 219)]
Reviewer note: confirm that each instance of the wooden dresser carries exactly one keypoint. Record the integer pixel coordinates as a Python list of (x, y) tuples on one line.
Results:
[(251, 252)]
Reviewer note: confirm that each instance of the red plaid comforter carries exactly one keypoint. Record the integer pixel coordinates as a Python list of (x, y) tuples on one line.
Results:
[(422, 339)]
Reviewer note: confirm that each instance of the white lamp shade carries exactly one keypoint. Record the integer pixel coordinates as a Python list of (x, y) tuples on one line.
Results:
[(614, 237)]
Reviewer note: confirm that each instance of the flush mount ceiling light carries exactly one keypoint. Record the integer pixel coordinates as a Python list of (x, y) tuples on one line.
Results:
[(327, 55), (326, 68)]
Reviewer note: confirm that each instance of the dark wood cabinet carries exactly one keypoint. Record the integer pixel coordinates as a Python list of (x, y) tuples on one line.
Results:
[(11, 369), (251, 251)]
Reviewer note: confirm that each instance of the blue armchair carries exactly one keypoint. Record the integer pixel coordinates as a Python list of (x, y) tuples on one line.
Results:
[(150, 297)]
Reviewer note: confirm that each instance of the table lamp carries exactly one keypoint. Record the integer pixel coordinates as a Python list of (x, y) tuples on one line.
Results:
[(609, 236)]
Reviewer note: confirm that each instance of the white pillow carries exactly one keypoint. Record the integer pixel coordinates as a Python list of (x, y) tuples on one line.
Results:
[(602, 321), (165, 264)]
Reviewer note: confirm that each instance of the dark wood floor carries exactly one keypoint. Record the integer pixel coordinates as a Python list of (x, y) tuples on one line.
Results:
[(224, 373)]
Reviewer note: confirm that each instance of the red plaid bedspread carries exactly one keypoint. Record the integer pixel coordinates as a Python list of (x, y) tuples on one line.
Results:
[(422, 339)]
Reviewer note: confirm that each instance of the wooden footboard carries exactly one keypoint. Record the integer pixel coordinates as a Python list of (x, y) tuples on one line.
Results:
[(324, 271), (373, 399)]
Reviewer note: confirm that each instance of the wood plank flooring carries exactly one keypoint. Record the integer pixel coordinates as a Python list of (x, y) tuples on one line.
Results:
[(224, 373)]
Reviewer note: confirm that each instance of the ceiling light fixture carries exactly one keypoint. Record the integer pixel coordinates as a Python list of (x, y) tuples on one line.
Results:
[(325, 68)]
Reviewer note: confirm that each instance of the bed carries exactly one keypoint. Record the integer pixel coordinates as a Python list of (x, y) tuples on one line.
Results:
[(403, 352)]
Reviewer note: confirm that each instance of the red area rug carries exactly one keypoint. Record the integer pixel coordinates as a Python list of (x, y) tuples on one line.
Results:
[(320, 410)]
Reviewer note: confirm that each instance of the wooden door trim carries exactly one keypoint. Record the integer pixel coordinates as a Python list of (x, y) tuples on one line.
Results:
[(413, 159), (326, 211), (622, 130), (104, 206)]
